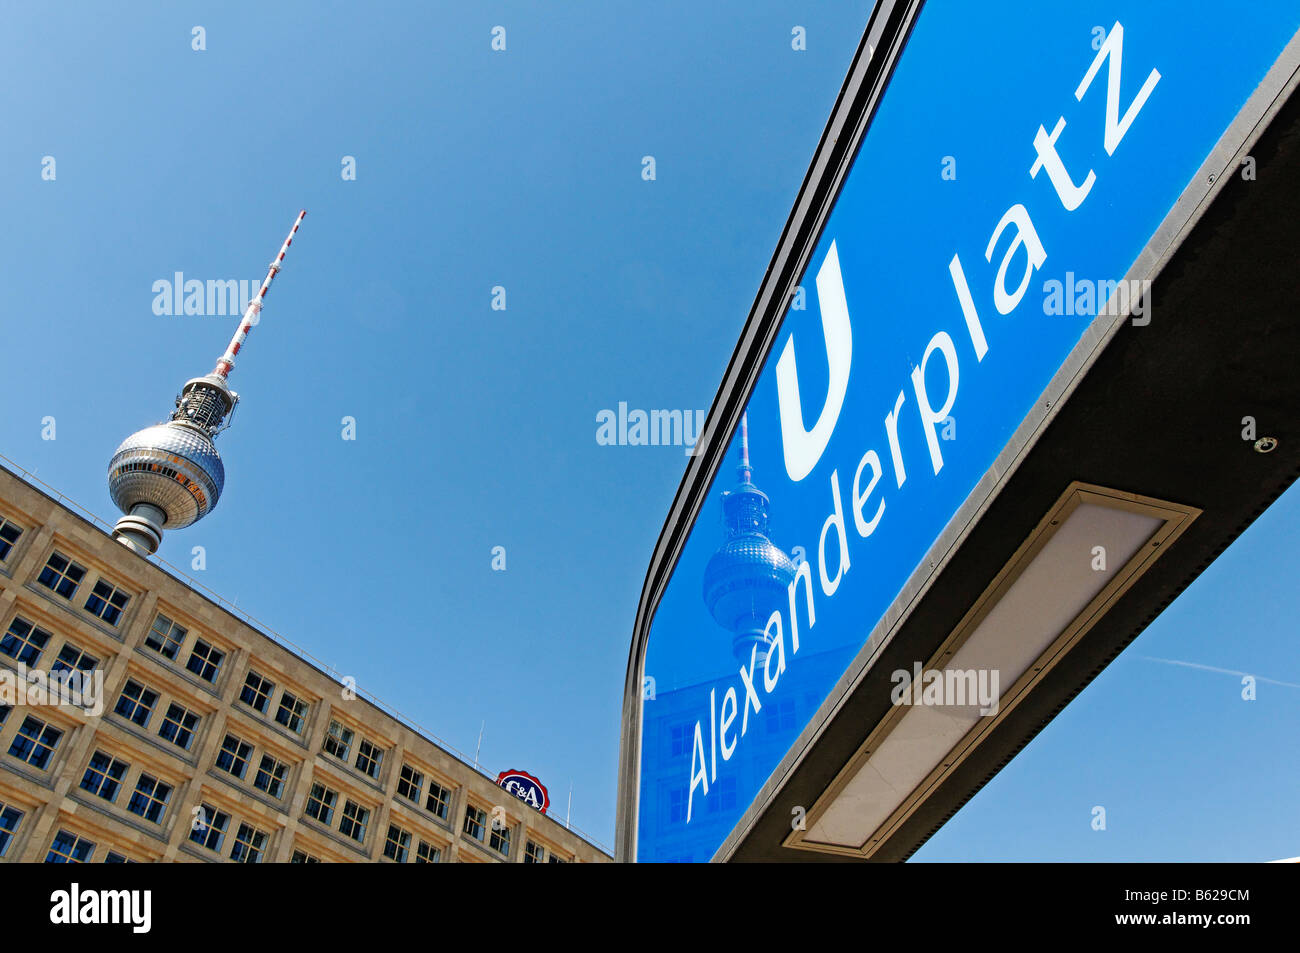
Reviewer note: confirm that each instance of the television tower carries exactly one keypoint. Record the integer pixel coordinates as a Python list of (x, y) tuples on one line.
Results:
[(170, 475), (747, 579)]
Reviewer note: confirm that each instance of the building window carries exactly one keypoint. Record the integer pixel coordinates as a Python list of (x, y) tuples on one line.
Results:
[(205, 661), (107, 602), (439, 798), (354, 821), (233, 756), (683, 736), (292, 712), (24, 642), (369, 757), (68, 848), (179, 726), (398, 844), (62, 575), (165, 637), (320, 803), (270, 776), (250, 844), (115, 858), (427, 854), (338, 741), (4, 713), (724, 798), (10, 817), (256, 693), (534, 853), (73, 659), (136, 703), (150, 798), (677, 803), (475, 821), (499, 840), (410, 784), (35, 742), (554, 858), (209, 827), (302, 857), (104, 776), (780, 717), (9, 533)]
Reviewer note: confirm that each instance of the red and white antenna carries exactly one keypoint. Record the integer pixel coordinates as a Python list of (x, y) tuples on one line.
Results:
[(170, 475), (226, 363)]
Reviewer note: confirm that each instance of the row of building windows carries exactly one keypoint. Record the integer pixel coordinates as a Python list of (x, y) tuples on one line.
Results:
[(25, 642), (35, 742), (257, 693), (495, 834), (338, 743), (209, 830), (166, 638), (235, 756), (138, 704), (535, 853), (65, 848), (64, 577), (410, 784), (105, 776), (353, 819), (398, 847), (249, 844)]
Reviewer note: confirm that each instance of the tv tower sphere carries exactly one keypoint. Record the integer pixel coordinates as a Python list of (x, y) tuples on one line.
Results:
[(170, 475)]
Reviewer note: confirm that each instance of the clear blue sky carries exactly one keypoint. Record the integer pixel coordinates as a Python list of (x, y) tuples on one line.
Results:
[(476, 428)]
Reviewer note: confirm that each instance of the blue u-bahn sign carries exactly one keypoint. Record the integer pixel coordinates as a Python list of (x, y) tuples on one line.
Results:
[(1009, 194)]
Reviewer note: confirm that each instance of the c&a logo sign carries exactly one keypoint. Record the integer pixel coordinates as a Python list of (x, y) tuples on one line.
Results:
[(525, 787)]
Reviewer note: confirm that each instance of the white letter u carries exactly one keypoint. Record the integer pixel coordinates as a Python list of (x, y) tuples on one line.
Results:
[(803, 448)]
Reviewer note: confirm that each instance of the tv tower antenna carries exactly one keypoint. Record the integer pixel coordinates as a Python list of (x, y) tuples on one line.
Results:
[(170, 475)]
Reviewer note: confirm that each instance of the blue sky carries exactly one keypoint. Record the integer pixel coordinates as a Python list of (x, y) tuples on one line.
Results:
[(476, 427)]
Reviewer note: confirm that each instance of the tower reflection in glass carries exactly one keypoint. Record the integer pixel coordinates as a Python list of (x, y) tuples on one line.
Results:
[(747, 579)]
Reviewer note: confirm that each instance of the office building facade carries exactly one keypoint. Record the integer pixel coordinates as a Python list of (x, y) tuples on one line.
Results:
[(215, 742)]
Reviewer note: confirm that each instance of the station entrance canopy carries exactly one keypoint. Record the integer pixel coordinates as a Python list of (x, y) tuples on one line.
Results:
[(995, 406)]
